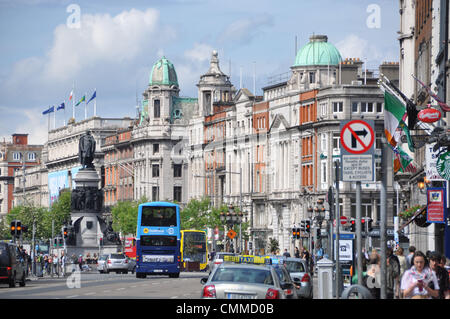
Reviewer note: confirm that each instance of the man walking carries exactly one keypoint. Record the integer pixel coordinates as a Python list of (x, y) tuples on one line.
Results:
[(412, 250), (441, 275)]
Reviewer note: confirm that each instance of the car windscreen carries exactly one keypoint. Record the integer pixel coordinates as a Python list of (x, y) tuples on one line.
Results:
[(294, 266), (244, 275), (117, 256), (4, 256), (103, 257)]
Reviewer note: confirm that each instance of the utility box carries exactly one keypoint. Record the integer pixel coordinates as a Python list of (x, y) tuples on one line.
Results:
[(325, 278)]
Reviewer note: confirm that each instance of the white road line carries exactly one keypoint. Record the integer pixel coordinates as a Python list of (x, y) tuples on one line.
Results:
[(74, 296)]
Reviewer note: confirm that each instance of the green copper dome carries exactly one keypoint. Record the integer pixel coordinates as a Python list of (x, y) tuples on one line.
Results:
[(163, 73), (318, 52)]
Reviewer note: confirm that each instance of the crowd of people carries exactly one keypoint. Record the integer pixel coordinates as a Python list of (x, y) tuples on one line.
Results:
[(415, 276), (55, 265)]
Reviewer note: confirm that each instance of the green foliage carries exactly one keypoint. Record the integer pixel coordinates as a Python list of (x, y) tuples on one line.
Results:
[(273, 245), (124, 217), (198, 215), (407, 214)]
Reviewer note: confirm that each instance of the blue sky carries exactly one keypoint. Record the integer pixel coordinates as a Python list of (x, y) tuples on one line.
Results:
[(113, 50)]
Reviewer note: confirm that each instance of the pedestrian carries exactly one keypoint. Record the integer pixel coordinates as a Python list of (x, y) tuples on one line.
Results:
[(63, 264), (80, 262), (286, 254), (297, 253), (411, 250), (55, 265), (441, 275), (395, 271), (403, 267), (415, 281)]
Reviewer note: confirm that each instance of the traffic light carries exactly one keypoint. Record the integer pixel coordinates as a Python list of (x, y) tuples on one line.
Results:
[(352, 225), (303, 225), (65, 232), (13, 228), (18, 228), (308, 226), (294, 233), (369, 224), (297, 233)]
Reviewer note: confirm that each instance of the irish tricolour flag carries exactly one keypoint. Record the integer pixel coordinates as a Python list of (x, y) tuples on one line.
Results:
[(394, 111)]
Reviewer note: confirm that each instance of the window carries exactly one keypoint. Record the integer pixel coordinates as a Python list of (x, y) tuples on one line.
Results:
[(338, 107), (16, 156), (336, 140), (155, 148), (324, 172), (363, 107), (355, 107), (370, 107), (155, 170), (177, 170), (156, 108), (177, 193), (155, 193), (379, 107), (312, 77)]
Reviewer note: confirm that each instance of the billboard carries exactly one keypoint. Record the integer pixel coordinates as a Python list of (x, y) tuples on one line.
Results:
[(58, 181)]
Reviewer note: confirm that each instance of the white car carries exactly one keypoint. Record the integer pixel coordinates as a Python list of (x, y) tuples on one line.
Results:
[(117, 262), (101, 263)]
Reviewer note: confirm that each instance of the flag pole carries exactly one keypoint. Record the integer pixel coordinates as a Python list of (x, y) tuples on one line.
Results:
[(64, 120), (54, 118), (73, 100), (95, 102), (85, 106)]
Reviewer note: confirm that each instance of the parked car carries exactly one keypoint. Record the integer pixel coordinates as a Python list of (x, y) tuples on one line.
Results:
[(131, 265), (117, 262), (217, 260), (248, 281), (12, 265), (101, 267), (299, 273)]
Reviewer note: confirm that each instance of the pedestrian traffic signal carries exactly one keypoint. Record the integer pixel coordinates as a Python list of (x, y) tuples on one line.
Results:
[(303, 225), (369, 224), (65, 233), (352, 225), (308, 226)]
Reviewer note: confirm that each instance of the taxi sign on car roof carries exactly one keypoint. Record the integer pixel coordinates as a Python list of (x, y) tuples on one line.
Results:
[(247, 259)]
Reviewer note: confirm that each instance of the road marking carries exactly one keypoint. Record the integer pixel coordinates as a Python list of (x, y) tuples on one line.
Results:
[(89, 293), (74, 296), (174, 297)]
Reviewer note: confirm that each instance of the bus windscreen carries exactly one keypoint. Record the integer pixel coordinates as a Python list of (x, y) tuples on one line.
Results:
[(159, 216)]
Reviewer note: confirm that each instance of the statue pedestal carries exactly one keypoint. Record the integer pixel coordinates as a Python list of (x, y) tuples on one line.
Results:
[(89, 227)]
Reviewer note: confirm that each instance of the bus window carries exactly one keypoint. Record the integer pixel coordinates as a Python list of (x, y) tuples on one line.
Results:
[(158, 240), (159, 216)]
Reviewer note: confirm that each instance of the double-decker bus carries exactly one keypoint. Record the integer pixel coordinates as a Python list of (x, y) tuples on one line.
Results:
[(158, 240), (130, 247), (194, 247)]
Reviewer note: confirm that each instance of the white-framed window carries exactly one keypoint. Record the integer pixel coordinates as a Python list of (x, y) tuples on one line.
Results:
[(379, 107), (338, 107), (354, 107), (31, 156), (336, 141), (323, 142), (16, 156)]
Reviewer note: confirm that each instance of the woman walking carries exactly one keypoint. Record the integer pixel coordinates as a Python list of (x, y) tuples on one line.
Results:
[(415, 280)]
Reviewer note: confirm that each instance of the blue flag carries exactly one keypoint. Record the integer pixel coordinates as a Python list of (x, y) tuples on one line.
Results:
[(92, 97), (49, 110), (61, 106)]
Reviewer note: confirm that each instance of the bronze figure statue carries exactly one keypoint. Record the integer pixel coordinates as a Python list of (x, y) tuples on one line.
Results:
[(86, 150)]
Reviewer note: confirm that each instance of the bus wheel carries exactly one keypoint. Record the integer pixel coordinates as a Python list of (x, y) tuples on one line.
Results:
[(176, 275)]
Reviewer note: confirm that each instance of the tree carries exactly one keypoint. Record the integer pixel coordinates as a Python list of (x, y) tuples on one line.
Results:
[(124, 217), (199, 215), (273, 245)]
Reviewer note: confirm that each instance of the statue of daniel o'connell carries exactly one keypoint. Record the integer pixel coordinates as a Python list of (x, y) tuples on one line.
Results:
[(86, 150)]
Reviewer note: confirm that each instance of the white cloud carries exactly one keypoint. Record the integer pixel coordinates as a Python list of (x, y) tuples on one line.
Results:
[(353, 46), (199, 53), (106, 52)]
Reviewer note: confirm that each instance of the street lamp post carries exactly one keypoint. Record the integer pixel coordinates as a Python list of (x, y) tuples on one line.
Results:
[(231, 218)]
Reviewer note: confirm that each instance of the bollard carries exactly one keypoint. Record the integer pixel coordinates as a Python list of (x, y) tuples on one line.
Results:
[(325, 278)]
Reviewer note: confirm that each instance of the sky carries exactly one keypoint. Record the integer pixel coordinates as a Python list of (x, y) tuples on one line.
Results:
[(48, 47)]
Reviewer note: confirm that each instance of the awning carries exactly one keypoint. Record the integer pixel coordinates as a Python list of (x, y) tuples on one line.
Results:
[(417, 213)]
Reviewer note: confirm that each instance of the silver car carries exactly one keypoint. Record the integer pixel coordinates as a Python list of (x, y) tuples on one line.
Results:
[(117, 262), (217, 260), (248, 281), (101, 263), (299, 273)]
